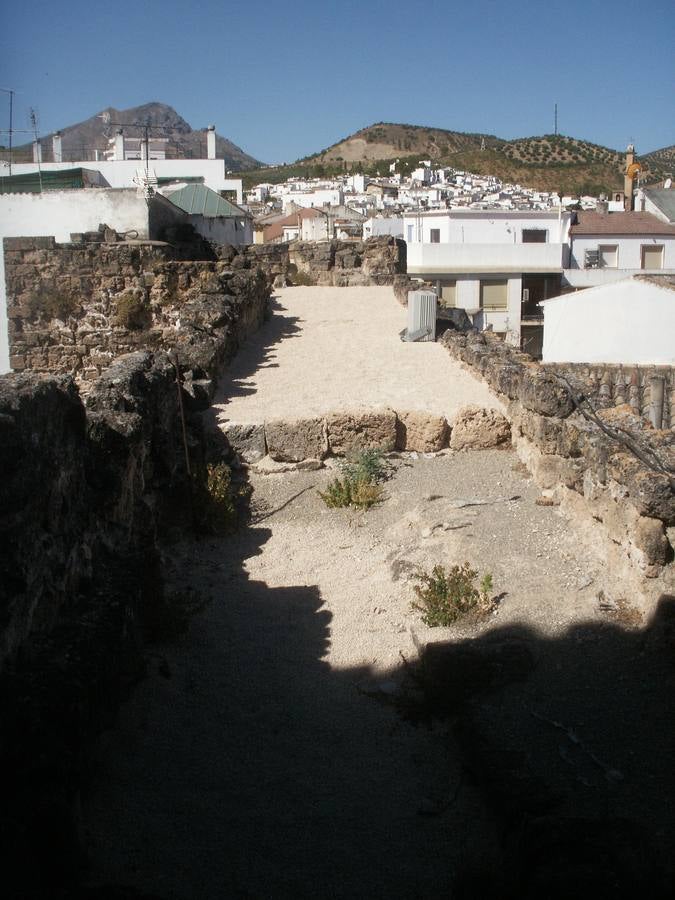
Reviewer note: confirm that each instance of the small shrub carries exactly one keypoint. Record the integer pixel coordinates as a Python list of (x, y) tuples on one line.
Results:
[(358, 487), (368, 465), (446, 595), (359, 493), (133, 312)]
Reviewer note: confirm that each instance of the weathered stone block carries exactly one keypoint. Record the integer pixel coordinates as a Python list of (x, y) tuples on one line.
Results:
[(420, 431), (247, 440), (293, 441), (361, 430), (545, 394), (477, 428), (650, 538)]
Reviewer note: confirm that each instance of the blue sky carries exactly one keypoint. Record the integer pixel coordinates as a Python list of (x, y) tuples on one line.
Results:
[(283, 80)]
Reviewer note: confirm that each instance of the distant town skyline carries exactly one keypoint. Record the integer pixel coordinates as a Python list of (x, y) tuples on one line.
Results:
[(286, 81)]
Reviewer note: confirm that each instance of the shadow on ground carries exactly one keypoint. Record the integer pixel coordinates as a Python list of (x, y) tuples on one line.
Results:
[(257, 353), (505, 766)]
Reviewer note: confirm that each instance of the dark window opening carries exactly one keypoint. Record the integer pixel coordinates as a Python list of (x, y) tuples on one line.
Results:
[(534, 235), (435, 235)]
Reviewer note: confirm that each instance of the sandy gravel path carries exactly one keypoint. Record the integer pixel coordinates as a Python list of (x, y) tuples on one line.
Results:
[(334, 348)]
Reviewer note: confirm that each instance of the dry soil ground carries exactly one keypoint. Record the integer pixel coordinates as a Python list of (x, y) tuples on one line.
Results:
[(267, 754)]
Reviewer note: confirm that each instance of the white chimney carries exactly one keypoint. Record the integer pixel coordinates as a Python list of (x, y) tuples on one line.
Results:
[(119, 144), (37, 152), (211, 142), (57, 152)]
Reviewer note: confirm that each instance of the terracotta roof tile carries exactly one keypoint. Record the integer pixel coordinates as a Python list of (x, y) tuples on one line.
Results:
[(590, 222)]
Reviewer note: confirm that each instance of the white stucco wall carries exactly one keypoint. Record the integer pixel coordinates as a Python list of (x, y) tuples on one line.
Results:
[(630, 322), (486, 226), (121, 173), (629, 249), (314, 228), (390, 225), (332, 197), (58, 213), (428, 259)]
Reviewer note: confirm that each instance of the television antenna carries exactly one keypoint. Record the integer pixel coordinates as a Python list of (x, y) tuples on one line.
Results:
[(146, 127), (34, 124)]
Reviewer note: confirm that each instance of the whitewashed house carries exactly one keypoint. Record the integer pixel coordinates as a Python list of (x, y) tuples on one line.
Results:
[(629, 322), (497, 265), (610, 246), (215, 218)]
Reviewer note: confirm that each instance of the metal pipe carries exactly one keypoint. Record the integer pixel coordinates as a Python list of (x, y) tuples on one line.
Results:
[(656, 393)]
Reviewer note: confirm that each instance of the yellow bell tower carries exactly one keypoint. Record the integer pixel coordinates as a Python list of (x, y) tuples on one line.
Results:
[(632, 171)]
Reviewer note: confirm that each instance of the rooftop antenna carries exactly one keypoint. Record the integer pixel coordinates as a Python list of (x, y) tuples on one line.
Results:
[(33, 122)]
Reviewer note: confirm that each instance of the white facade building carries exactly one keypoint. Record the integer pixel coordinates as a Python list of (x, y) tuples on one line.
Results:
[(631, 322), (495, 264), (610, 246)]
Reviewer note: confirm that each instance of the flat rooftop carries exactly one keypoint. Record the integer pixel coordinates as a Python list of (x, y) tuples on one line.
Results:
[(328, 348)]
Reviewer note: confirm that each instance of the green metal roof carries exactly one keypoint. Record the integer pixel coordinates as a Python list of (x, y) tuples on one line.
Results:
[(29, 183), (197, 199)]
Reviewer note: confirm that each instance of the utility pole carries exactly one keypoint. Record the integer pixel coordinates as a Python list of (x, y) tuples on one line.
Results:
[(11, 107), (555, 115), (33, 121)]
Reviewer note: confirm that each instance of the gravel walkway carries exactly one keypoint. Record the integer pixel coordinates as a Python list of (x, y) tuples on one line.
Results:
[(331, 348)]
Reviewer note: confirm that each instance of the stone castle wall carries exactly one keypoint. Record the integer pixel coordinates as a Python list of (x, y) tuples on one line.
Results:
[(380, 260), (74, 308), (93, 490)]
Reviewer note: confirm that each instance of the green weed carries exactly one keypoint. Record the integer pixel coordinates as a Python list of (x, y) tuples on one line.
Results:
[(445, 595), (358, 487)]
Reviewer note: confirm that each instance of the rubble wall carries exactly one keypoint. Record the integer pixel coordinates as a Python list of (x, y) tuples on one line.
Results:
[(74, 308), (377, 260), (607, 490)]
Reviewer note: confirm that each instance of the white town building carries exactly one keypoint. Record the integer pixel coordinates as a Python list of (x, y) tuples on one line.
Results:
[(629, 322)]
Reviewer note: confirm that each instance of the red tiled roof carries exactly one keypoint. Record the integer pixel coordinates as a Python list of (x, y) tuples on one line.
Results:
[(591, 222)]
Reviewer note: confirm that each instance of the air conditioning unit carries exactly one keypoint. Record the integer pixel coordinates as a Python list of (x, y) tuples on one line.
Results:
[(421, 316), (526, 295)]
